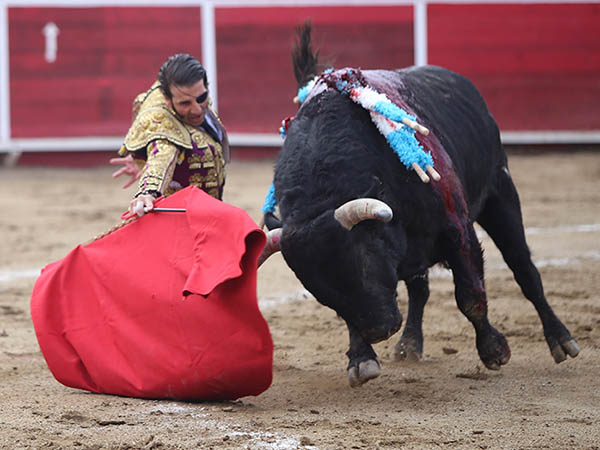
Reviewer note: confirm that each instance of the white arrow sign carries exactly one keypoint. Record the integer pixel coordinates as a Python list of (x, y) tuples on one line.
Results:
[(51, 32)]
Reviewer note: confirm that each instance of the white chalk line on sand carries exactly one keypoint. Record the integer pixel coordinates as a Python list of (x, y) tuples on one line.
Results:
[(585, 228), (256, 439), (271, 301), (12, 275), (589, 228)]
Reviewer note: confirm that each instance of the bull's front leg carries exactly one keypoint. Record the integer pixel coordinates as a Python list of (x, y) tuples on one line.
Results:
[(410, 345), (363, 363), (466, 263)]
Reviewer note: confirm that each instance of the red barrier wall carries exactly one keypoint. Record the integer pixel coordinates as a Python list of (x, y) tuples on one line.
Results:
[(537, 65), (256, 80), (105, 57)]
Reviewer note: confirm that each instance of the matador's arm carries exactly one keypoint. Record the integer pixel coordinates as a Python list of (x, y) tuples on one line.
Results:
[(160, 165)]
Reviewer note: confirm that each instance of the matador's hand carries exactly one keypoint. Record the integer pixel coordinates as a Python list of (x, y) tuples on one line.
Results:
[(141, 205), (129, 168)]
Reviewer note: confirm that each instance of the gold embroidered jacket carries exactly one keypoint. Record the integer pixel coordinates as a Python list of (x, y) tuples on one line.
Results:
[(173, 154)]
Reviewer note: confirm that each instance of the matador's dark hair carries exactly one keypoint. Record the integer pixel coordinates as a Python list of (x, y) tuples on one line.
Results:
[(180, 70)]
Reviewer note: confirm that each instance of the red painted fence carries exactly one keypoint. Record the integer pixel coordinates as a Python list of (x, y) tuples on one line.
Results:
[(256, 80), (105, 56), (537, 65)]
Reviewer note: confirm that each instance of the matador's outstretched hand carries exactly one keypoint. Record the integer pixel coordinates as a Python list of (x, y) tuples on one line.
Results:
[(129, 168)]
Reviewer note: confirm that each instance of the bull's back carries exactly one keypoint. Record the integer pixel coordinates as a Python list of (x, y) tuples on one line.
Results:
[(330, 155), (454, 110), (333, 149)]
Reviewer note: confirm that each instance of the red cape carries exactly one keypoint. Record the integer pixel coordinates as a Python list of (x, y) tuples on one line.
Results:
[(164, 307)]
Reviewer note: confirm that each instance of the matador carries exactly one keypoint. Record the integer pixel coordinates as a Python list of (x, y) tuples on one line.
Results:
[(176, 138)]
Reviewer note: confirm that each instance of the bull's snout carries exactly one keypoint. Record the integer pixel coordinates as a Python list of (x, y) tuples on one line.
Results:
[(383, 331)]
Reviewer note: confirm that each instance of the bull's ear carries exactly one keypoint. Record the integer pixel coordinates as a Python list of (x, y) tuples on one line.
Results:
[(271, 221)]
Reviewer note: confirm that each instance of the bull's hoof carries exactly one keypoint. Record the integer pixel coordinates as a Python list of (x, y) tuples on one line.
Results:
[(493, 349), (560, 351), (407, 350), (366, 370)]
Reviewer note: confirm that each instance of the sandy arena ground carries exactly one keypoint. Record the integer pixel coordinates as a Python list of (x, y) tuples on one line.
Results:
[(448, 400)]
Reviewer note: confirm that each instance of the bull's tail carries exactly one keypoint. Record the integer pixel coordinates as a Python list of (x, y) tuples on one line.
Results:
[(304, 59)]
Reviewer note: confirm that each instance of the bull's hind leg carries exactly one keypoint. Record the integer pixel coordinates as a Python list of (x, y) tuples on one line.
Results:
[(410, 345), (466, 263), (501, 219), (363, 363)]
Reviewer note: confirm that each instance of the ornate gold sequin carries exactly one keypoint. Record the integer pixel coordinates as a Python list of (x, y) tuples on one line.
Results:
[(155, 120), (159, 168)]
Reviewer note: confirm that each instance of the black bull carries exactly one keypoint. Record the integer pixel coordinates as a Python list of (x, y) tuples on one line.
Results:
[(333, 153)]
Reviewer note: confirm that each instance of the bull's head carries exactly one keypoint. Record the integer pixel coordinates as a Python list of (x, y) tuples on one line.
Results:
[(345, 260)]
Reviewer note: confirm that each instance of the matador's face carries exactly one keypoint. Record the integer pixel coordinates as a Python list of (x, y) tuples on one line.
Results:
[(190, 102)]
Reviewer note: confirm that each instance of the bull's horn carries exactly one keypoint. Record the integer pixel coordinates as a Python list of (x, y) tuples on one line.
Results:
[(272, 246), (355, 211)]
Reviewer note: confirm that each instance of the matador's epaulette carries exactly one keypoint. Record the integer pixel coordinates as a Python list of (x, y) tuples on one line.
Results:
[(155, 121)]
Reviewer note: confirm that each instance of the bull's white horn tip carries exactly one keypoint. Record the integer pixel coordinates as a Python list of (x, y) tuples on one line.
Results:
[(385, 215)]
